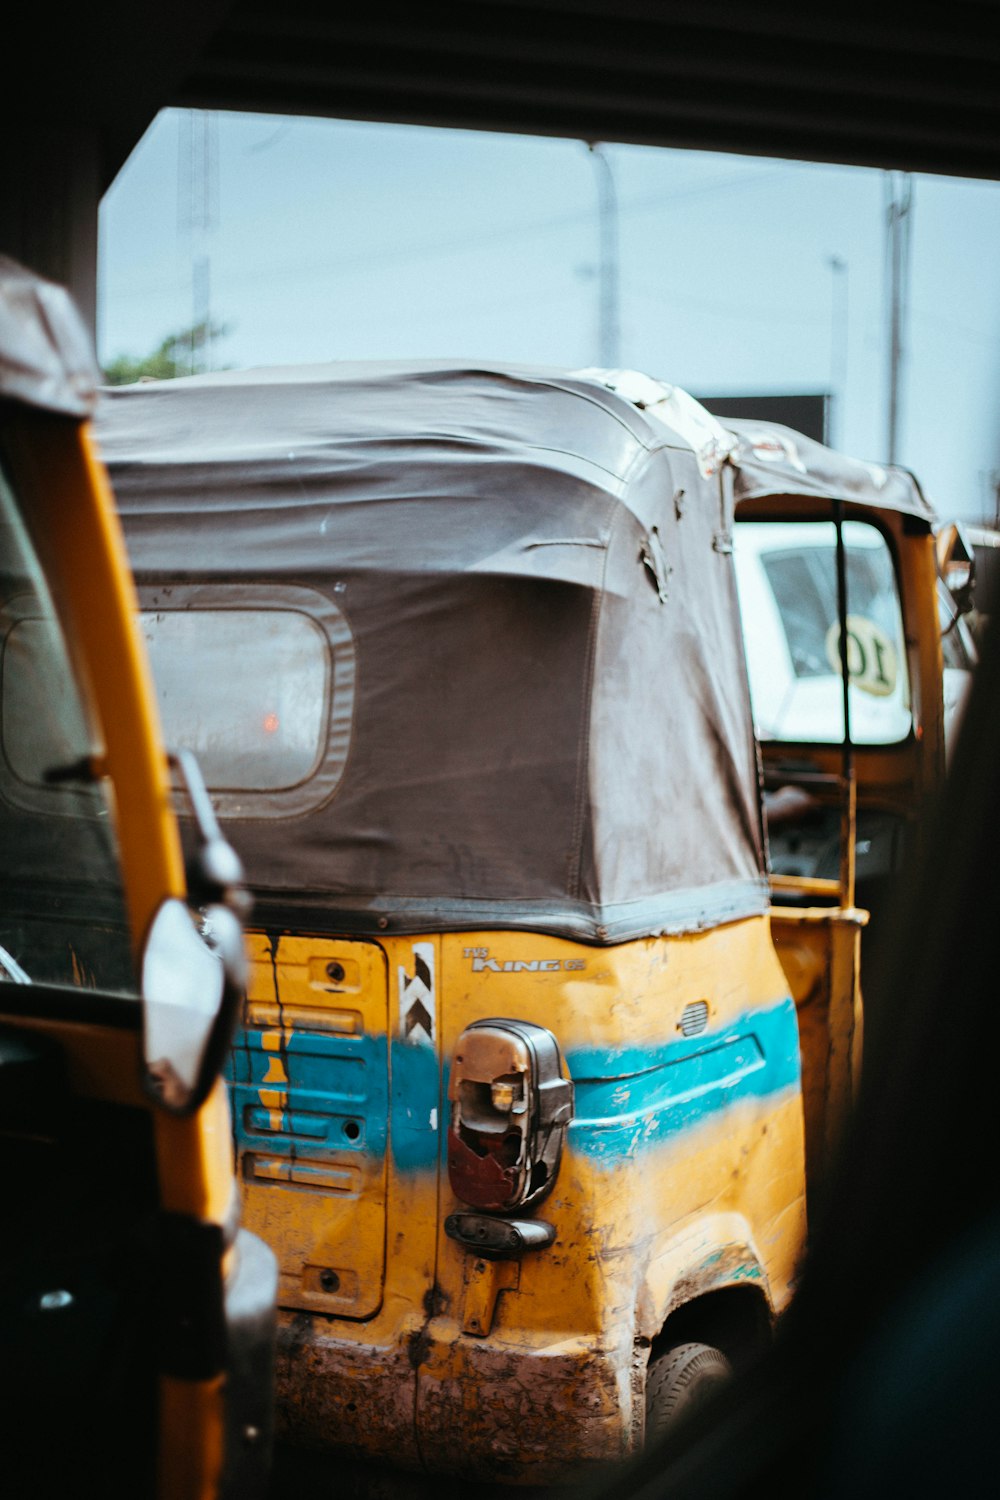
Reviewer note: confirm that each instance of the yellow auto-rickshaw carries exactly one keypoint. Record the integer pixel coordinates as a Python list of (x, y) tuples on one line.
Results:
[(851, 772), (518, 1095)]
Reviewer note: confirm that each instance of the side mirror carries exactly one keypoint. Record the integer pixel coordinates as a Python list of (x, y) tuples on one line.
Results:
[(193, 974), (956, 563), (194, 964), (215, 872)]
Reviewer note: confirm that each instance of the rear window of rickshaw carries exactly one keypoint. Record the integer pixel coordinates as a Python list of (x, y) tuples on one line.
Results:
[(262, 695)]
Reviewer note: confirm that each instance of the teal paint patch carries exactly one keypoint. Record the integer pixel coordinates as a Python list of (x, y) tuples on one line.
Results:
[(748, 1272), (416, 1106), (342, 1096), (337, 1095), (631, 1099)]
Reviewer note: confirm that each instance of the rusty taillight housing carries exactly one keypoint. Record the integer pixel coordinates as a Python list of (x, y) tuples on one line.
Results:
[(510, 1106)]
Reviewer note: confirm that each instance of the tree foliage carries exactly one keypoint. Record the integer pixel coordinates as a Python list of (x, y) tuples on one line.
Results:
[(182, 353)]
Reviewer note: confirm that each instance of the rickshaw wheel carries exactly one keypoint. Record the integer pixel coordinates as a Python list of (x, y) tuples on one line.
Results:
[(678, 1382)]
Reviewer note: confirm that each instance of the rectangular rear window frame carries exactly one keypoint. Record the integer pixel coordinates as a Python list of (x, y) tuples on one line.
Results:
[(321, 784)]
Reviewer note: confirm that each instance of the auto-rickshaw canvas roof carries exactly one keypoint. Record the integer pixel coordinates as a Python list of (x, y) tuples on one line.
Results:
[(770, 461), (46, 360), (539, 714)]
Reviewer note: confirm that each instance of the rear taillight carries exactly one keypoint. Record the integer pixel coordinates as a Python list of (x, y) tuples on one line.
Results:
[(510, 1107)]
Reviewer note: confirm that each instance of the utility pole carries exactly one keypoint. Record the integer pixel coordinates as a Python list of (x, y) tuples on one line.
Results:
[(898, 209), (198, 216), (608, 334), (838, 348)]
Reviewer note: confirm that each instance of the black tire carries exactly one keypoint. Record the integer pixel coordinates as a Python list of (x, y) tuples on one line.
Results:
[(678, 1382)]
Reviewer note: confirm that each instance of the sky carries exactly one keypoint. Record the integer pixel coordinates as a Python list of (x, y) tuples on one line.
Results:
[(313, 240)]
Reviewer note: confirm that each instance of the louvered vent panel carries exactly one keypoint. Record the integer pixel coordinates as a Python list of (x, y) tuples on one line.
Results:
[(694, 1018)]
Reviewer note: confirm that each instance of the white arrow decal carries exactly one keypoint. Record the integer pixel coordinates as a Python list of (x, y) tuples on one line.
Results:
[(417, 1003)]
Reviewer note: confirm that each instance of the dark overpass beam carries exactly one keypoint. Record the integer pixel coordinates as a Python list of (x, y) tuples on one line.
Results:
[(80, 85), (48, 208)]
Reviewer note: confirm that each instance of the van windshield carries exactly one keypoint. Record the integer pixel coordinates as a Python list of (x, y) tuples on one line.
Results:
[(786, 574), (62, 909)]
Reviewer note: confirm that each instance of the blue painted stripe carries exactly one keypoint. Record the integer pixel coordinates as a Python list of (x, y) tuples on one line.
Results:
[(337, 1095), (635, 1098), (340, 1097), (416, 1091)]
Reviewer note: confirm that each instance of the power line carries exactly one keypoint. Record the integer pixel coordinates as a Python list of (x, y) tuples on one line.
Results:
[(760, 314), (956, 330), (431, 249)]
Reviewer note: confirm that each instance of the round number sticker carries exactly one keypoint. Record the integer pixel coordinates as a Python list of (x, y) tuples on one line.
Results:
[(871, 656)]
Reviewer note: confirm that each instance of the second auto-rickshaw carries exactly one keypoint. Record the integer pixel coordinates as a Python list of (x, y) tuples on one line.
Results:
[(910, 658), (518, 1094)]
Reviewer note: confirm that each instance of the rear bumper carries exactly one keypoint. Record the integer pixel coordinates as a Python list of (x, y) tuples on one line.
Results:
[(439, 1400)]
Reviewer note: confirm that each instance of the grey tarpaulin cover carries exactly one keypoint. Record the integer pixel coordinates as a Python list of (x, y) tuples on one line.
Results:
[(46, 358), (550, 725)]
